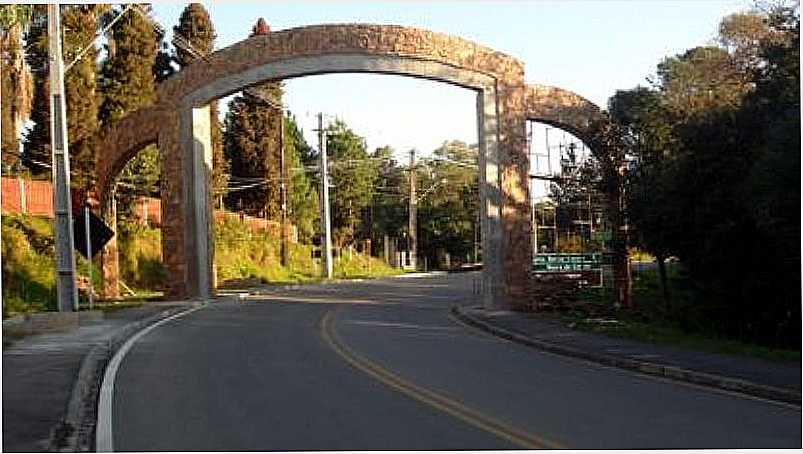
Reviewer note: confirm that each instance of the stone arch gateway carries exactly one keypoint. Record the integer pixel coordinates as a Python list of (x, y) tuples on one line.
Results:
[(179, 123)]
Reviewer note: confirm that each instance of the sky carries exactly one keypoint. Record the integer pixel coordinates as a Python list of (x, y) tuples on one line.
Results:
[(591, 47)]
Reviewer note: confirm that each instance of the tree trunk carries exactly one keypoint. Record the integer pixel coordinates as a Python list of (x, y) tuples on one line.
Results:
[(621, 264)]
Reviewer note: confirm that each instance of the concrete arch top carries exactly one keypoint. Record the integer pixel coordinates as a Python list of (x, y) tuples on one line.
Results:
[(334, 39)]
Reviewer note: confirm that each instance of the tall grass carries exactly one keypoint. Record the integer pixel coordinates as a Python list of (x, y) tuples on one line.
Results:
[(29, 267), (243, 255), (29, 278)]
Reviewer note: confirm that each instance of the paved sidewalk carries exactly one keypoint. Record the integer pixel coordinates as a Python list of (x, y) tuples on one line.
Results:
[(40, 372), (755, 376)]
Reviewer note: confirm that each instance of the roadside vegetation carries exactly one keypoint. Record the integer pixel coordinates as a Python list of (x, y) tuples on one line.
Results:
[(29, 273), (246, 258), (242, 259), (703, 166), (690, 323)]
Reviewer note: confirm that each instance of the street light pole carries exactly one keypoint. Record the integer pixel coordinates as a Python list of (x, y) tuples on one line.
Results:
[(66, 290)]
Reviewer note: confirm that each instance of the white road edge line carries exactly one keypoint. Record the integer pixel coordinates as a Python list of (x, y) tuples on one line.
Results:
[(103, 432)]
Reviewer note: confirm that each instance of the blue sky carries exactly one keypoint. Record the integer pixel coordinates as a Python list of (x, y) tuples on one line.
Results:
[(592, 47)]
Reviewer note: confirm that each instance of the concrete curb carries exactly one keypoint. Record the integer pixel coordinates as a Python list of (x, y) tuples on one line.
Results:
[(76, 432), (644, 367), (49, 322)]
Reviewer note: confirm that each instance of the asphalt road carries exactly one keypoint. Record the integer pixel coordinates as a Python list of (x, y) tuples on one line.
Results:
[(381, 365)]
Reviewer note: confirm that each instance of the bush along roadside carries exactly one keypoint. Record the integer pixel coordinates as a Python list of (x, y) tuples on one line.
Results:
[(683, 323), (241, 258), (28, 272)]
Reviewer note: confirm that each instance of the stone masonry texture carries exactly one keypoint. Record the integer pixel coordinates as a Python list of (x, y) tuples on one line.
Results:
[(517, 102)]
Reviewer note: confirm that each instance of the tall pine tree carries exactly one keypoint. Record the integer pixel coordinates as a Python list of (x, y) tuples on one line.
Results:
[(302, 197), (14, 76), (80, 24), (36, 145), (251, 140), (195, 34), (251, 143), (127, 82)]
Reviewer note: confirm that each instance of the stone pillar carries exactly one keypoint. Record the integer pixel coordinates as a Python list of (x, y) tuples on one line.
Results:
[(172, 185), (514, 176), (109, 257), (493, 295), (187, 210), (198, 226)]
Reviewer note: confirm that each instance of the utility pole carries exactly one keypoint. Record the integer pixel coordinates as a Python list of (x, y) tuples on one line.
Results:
[(283, 188), (413, 212), (326, 226), (66, 290)]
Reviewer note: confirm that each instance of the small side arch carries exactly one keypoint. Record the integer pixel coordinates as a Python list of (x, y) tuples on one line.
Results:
[(118, 145), (122, 141), (562, 109)]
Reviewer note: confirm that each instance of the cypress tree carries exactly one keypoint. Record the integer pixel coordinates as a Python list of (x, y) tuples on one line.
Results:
[(196, 28), (251, 142), (36, 145), (127, 82), (251, 146), (14, 76), (80, 24), (302, 196), (127, 74)]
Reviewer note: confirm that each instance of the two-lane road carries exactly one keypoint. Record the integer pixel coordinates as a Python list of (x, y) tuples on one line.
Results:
[(381, 365)]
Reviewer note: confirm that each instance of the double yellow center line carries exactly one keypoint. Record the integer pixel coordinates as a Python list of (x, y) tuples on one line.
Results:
[(426, 396)]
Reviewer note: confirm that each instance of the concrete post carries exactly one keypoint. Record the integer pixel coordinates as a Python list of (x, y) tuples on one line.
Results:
[(493, 290), (196, 140), (66, 289)]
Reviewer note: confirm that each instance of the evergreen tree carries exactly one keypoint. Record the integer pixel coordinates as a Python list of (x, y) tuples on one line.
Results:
[(251, 144), (128, 83), (302, 196), (449, 202), (127, 74), (36, 146), (80, 24), (196, 33), (15, 78), (389, 209), (354, 176)]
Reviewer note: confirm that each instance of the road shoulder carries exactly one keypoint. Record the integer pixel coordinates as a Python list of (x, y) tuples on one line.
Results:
[(632, 355)]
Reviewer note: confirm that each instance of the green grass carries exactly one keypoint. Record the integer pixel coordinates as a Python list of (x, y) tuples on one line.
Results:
[(29, 277), (653, 322), (140, 252), (245, 257), (241, 258)]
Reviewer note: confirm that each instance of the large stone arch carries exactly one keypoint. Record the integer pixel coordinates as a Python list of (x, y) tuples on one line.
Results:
[(183, 135)]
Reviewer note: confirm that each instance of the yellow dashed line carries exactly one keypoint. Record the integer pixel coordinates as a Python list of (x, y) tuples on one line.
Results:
[(431, 398)]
